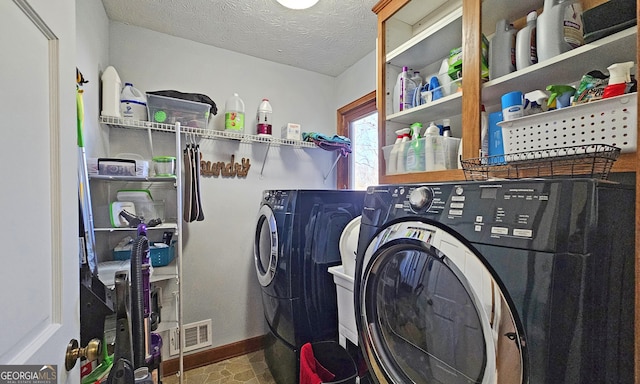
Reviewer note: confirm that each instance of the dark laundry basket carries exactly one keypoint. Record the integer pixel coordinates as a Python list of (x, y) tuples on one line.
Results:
[(336, 360)]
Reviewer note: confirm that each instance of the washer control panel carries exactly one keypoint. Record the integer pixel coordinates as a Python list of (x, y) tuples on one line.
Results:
[(278, 200)]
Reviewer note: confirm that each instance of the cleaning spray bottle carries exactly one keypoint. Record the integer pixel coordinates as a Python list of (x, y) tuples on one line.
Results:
[(561, 94), (559, 28), (535, 102), (392, 163), (502, 50), (402, 150), (619, 77), (415, 150)]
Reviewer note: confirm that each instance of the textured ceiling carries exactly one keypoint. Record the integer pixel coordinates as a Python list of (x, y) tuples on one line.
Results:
[(327, 38)]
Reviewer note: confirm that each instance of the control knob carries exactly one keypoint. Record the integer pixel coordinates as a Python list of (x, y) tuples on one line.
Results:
[(420, 198)]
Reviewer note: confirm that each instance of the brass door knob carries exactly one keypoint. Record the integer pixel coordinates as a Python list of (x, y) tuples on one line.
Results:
[(90, 352)]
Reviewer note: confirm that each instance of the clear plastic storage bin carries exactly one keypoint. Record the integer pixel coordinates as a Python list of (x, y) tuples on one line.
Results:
[(169, 110), (439, 154)]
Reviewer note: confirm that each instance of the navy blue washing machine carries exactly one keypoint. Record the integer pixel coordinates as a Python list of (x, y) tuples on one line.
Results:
[(296, 241), (527, 281)]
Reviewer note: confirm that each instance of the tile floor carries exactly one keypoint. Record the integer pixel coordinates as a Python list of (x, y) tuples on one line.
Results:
[(246, 369)]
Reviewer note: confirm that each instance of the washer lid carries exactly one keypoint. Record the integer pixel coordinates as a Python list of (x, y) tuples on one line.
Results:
[(349, 245), (430, 311)]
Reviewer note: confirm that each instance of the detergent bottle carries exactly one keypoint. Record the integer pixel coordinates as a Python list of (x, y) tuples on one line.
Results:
[(502, 50), (234, 114), (407, 88), (559, 28), (619, 77), (432, 148), (526, 53), (111, 89), (415, 150)]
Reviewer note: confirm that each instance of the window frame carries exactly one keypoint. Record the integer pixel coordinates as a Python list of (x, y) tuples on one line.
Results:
[(355, 110)]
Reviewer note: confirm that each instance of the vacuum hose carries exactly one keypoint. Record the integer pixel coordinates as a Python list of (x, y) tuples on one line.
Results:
[(139, 256)]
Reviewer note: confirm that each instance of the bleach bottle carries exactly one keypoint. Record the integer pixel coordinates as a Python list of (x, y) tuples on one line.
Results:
[(234, 114), (264, 118), (559, 28), (133, 103)]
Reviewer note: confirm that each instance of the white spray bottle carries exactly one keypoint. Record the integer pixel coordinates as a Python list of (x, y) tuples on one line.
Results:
[(619, 76), (402, 150), (392, 163)]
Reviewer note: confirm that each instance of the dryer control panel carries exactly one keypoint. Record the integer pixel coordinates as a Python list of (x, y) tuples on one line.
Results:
[(531, 214)]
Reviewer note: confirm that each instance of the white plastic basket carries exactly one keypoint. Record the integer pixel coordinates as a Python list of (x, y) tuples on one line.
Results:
[(609, 121)]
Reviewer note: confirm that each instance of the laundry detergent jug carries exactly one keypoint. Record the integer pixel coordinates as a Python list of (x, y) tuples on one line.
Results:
[(133, 103), (559, 28)]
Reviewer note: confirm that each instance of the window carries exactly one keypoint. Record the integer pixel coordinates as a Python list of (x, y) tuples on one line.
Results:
[(359, 121)]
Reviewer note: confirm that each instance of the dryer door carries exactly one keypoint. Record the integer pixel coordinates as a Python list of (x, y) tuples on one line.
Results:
[(265, 248), (429, 311)]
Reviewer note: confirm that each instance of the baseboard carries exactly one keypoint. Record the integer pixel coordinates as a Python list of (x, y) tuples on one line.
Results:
[(213, 355)]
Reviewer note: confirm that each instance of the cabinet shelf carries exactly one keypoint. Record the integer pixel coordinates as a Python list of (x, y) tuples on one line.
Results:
[(447, 106), (161, 227), (432, 44), (117, 122), (557, 70), (169, 179)]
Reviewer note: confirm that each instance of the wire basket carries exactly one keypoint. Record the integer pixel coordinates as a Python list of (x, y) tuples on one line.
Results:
[(593, 161)]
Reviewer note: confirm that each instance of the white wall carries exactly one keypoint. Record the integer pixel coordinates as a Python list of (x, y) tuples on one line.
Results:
[(219, 275), (356, 81), (92, 47)]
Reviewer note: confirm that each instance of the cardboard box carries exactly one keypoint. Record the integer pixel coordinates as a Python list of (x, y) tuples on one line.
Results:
[(292, 131)]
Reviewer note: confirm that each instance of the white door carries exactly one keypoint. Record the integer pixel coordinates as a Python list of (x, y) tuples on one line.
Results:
[(39, 295)]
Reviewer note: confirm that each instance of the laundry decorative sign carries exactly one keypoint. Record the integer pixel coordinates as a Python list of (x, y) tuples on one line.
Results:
[(231, 169)]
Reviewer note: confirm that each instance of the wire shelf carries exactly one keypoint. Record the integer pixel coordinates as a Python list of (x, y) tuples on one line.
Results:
[(594, 160), (204, 133)]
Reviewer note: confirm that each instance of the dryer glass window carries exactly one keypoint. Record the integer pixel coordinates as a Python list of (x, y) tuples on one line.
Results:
[(264, 244), (426, 323)]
